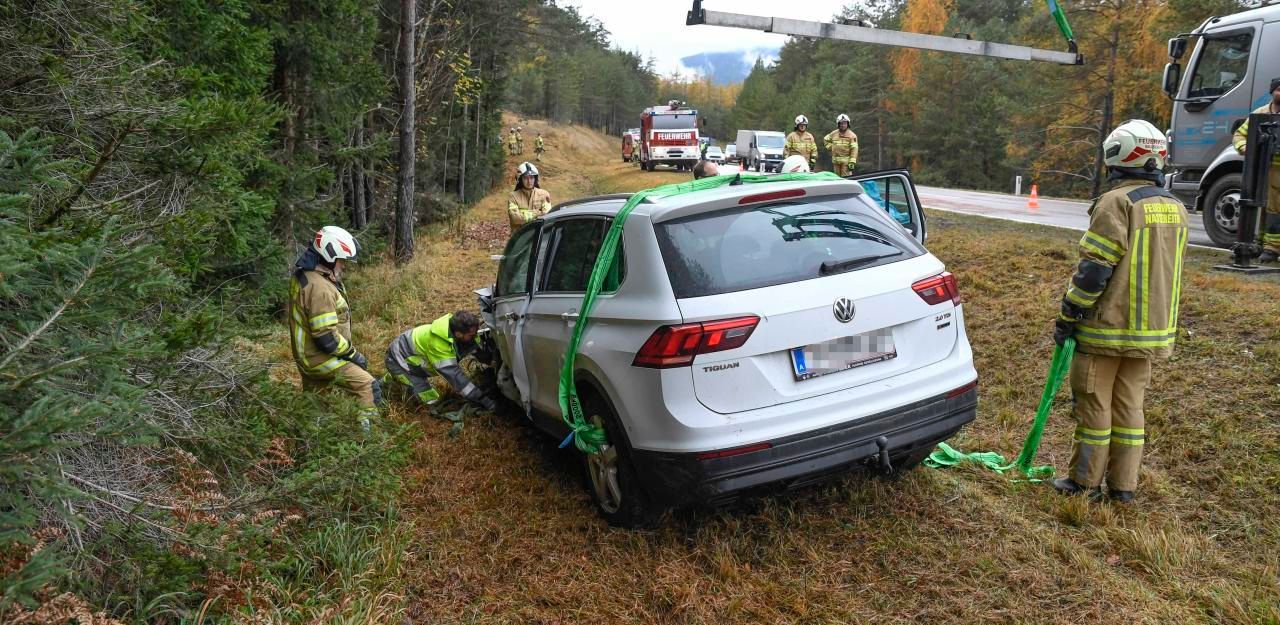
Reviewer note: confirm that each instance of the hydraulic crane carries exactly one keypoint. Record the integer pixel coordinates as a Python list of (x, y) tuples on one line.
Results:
[(879, 36)]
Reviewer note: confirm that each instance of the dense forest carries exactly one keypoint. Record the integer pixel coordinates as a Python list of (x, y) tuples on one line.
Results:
[(162, 162), (968, 122)]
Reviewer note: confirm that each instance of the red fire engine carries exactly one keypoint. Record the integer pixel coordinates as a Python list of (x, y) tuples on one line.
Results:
[(669, 135)]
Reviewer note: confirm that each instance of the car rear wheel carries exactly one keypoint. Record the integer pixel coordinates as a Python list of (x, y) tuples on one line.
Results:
[(611, 480)]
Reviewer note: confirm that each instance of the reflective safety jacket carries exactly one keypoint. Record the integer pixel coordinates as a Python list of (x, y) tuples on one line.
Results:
[(511, 139), (319, 317), (1240, 138), (537, 144), (430, 348), (526, 205), (1130, 274), (801, 143), (843, 147)]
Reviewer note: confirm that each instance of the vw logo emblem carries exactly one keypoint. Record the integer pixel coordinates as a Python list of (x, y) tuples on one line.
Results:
[(843, 308)]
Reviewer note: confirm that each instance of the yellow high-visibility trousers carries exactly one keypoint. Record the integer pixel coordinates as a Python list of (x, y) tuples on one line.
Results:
[(1108, 393)]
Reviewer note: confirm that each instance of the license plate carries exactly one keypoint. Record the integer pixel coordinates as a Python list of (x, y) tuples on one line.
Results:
[(841, 354)]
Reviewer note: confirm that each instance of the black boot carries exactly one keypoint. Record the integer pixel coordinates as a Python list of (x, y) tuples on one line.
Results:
[(1068, 486), (1268, 256), (1120, 496)]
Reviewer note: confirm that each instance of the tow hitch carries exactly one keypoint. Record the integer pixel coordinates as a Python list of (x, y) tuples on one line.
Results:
[(886, 468)]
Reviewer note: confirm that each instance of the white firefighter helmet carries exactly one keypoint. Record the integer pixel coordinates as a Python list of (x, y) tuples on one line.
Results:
[(527, 169), (334, 243), (801, 119), (842, 118), (795, 164), (1136, 143)]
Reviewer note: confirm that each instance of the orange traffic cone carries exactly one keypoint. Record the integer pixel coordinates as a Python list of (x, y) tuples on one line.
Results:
[(1033, 202)]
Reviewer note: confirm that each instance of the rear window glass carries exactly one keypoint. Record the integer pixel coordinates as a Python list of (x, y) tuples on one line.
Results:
[(769, 244)]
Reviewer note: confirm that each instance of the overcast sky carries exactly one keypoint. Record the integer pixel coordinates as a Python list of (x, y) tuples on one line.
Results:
[(655, 28)]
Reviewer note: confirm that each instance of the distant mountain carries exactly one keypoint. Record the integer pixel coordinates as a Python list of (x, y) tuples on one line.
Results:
[(727, 67)]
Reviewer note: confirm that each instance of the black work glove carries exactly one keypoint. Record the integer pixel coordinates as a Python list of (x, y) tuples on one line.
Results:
[(358, 359), (377, 392), (1063, 329)]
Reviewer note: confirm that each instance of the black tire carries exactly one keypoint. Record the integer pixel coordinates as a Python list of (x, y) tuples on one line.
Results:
[(1222, 209), (628, 506)]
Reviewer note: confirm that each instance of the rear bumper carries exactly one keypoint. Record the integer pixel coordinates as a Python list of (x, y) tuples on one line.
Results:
[(676, 479)]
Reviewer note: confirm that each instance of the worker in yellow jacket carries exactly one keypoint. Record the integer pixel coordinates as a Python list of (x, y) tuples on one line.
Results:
[(436, 349), (800, 141), (320, 322), (528, 201), (1271, 222), (842, 143), (1122, 309), (511, 141)]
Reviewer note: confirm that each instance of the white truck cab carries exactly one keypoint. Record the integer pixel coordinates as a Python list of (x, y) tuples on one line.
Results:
[(1232, 59)]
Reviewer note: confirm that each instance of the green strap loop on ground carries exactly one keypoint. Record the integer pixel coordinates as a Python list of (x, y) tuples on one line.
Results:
[(586, 435), (946, 455)]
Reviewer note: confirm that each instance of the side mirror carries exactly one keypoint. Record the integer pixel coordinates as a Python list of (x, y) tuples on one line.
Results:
[(753, 144), (1177, 47), (1172, 75)]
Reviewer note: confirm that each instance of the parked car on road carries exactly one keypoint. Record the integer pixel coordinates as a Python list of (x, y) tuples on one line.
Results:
[(731, 152), (749, 338), (714, 154)]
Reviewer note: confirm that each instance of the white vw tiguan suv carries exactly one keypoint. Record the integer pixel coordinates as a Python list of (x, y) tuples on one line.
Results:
[(749, 337)]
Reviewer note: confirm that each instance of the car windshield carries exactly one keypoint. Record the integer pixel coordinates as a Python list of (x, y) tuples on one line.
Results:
[(678, 121), (714, 150), (750, 248), (769, 141)]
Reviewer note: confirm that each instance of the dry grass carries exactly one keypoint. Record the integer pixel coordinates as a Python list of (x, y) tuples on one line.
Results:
[(506, 534)]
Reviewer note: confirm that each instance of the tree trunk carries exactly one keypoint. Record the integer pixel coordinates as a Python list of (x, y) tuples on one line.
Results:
[(462, 167), (1108, 103), (404, 185), (359, 205)]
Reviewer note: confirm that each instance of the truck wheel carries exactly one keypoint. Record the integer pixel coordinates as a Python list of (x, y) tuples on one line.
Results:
[(1222, 209), (611, 479)]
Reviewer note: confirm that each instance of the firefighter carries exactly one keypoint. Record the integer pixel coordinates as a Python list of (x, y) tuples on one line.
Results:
[(1271, 223), (519, 140), (1122, 308), (842, 143), (437, 348), (800, 141), (528, 200), (320, 322), (539, 146), (511, 141)]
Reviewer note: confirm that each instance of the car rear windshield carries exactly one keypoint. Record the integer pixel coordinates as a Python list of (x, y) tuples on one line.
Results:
[(759, 246)]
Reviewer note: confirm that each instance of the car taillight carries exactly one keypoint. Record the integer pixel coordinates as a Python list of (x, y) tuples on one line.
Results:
[(938, 289), (675, 346), (736, 451)]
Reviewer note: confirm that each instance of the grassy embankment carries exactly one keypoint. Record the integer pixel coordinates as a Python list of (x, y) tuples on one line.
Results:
[(504, 532)]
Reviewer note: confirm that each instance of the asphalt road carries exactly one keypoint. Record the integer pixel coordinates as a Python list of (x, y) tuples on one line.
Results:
[(1063, 213)]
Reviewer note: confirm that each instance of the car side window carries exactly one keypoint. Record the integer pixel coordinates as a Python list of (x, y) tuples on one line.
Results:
[(890, 194), (573, 247), (513, 273)]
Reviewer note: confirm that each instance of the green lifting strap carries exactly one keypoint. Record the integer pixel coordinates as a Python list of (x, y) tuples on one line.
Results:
[(586, 435), (946, 455), (1061, 18)]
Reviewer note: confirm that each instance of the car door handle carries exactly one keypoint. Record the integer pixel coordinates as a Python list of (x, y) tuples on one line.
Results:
[(569, 316), (511, 316)]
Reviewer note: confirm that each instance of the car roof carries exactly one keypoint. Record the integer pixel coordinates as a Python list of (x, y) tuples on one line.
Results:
[(671, 207)]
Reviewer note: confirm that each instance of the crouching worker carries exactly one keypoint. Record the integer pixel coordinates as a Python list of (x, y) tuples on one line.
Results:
[(320, 322), (437, 347)]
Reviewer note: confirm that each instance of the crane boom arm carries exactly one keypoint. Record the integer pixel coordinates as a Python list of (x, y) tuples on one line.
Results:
[(863, 34)]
